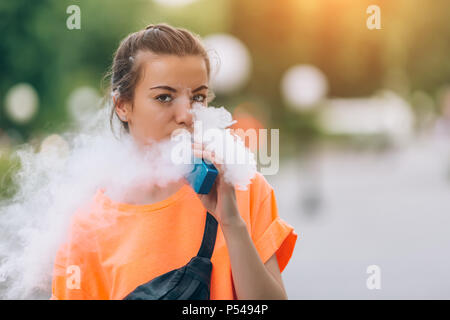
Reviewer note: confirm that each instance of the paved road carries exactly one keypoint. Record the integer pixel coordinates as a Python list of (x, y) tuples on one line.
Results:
[(352, 210)]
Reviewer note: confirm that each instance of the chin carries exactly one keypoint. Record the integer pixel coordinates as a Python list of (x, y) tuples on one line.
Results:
[(147, 143)]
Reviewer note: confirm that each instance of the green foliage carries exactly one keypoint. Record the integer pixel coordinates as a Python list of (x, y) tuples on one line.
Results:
[(8, 167)]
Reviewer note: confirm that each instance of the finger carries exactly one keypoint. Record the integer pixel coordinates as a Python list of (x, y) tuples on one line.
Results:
[(197, 148), (211, 156), (208, 156), (198, 153)]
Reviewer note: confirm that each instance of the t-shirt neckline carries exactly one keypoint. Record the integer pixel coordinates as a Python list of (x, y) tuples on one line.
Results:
[(124, 206)]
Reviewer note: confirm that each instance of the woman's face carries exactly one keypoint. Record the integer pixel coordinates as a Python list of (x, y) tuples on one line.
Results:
[(164, 95)]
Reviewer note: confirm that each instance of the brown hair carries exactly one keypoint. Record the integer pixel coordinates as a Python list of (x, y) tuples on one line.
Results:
[(159, 39)]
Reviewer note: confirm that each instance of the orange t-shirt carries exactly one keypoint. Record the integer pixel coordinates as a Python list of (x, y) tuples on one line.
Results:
[(114, 247)]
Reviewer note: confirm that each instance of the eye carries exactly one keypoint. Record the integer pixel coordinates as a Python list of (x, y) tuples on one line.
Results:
[(202, 98), (164, 98)]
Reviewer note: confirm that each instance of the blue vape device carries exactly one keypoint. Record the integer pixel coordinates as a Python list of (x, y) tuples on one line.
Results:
[(202, 176)]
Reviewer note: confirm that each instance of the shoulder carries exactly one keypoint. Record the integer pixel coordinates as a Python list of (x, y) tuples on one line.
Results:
[(261, 185), (260, 188), (256, 193)]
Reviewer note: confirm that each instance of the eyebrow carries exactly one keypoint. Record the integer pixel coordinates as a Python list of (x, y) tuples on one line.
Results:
[(174, 90)]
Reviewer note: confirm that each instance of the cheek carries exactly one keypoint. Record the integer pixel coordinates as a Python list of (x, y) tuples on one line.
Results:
[(152, 117), (159, 116)]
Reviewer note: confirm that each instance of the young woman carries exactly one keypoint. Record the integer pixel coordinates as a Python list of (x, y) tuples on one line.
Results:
[(157, 74)]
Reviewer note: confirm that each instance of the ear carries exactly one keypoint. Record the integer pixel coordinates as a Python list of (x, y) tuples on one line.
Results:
[(122, 109)]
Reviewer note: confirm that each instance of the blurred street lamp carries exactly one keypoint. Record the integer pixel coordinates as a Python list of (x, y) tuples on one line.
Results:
[(386, 113), (55, 144), (230, 63), (303, 86), (21, 103), (83, 102), (54, 152)]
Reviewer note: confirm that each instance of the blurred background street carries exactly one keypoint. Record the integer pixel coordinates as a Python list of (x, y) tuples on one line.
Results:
[(357, 210)]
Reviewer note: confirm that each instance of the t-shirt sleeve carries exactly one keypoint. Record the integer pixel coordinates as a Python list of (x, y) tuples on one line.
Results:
[(270, 233), (77, 272)]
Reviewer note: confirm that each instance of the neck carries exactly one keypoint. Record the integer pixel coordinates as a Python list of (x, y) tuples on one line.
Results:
[(151, 194)]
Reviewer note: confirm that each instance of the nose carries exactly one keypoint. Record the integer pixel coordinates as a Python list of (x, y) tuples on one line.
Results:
[(183, 116)]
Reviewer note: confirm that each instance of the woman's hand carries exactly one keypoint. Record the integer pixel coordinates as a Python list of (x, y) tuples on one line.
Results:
[(221, 200)]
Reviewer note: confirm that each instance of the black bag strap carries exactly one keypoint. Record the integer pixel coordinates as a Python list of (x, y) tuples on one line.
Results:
[(209, 237)]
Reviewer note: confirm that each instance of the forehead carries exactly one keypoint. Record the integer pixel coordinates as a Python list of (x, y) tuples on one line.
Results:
[(172, 70)]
